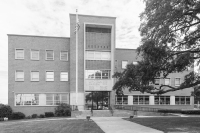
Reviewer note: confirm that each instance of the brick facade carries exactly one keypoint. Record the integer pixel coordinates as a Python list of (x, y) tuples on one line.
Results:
[(88, 41)]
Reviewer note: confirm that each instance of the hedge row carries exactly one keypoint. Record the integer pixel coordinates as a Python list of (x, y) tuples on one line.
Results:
[(179, 111)]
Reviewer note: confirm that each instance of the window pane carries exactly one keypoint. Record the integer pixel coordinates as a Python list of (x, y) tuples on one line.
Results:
[(90, 74), (135, 99), (49, 54), (98, 74), (177, 81), (49, 99), (97, 55), (27, 99), (156, 100), (64, 76), (118, 100), (167, 81), (125, 99), (157, 81), (34, 76), (34, 54), (19, 75), (89, 55), (56, 99), (105, 56), (124, 64), (64, 55), (49, 76), (19, 54), (105, 74)]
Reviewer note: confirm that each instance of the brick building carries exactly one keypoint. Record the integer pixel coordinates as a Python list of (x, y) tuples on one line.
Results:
[(42, 72)]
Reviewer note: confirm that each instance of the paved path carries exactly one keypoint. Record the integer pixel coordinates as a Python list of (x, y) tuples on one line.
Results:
[(118, 125)]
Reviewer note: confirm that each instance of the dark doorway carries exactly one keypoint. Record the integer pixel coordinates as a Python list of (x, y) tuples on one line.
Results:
[(97, 100)]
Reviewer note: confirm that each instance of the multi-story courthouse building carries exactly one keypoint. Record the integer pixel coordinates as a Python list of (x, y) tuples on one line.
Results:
[(42, 71)]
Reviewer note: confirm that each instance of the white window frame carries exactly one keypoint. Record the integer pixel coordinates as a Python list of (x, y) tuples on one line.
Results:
[(67, 76), (46, 54), (16, 76), (175, 81), (38, 76), (35, 50), (53, 76), (124, 67), (169, 81), (16, 54), (61, 56)]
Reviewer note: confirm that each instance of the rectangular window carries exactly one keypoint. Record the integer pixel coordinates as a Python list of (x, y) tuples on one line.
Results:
[(157, 81), (49, 55), (64, 55), (97, 74), (162, 100), (124, 64), (140, 100), (167, 81), (177, 81), (26, 99), (34, 54), (19, 53), (41, 99), (34, 76), (64, 76), (182, 100), (19, 75), (49, 76), (121, 100), (93, 55)]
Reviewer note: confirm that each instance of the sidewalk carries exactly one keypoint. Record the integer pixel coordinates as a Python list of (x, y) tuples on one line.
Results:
[(118, 125)]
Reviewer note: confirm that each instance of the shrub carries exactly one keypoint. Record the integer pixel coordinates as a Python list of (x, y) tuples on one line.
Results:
[(169, 111), (63, 110), (49, 114), (5, 111), (42, 116), (28, 117), (34, 116), (17, 115), (192, 112)]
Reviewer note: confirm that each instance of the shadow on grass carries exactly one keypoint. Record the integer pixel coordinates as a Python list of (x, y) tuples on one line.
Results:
[(170, 124)]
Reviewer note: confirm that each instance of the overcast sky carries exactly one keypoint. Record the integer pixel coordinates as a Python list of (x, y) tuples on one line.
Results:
[(51, 18)]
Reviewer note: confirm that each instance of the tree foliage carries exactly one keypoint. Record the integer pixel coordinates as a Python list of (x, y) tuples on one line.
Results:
[(170, 31)]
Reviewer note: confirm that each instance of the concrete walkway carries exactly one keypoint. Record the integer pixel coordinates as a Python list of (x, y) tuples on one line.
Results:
[(118, 125)]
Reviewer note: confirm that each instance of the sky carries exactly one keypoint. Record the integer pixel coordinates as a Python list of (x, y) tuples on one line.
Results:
[(51, 18)]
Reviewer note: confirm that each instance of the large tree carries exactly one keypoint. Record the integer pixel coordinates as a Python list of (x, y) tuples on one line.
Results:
[(170, 31)]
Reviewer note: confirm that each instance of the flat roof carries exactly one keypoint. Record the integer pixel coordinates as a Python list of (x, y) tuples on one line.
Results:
[(37, 36), (93, 16)]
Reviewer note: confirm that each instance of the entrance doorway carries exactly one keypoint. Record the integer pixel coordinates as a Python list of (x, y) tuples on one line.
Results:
[(97, 100)]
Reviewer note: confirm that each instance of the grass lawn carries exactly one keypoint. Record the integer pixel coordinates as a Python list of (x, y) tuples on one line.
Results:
[(50, 126), (170, 124)]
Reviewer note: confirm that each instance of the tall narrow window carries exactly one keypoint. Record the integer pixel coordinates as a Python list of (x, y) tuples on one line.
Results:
[(34, 76), (19, 54), (124, 64), (49, 76), (49, 55), (19, 75), (64, 55), (177, 81), (64, 76), (34, 54)]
